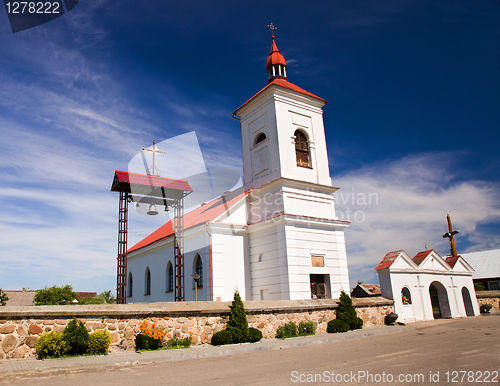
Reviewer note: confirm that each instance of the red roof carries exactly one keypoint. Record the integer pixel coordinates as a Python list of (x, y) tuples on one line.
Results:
[(419, 257), (388, 260), (204, 213), (149, 185), (374, 289), (452, 260), (275, 56), (285, 84)]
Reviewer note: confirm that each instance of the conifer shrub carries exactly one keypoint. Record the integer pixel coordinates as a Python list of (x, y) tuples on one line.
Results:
[(51, 345), (76, 336), (99, 342), (237, 324), (347, 313), (254, 335), (222, 337), (337, 325)]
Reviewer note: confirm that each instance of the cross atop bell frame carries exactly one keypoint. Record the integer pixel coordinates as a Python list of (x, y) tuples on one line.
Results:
[(153, 190)]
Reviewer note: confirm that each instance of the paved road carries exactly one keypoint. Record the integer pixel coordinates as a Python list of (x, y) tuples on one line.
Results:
[(433, 352)]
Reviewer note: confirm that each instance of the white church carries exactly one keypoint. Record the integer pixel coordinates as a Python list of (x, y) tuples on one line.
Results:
[(277, 237)]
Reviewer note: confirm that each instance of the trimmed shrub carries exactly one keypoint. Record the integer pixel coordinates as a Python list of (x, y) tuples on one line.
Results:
[(51, 344), (287, 331), (307, 328), (237, 324), (254, 335), (222, 337), (336, 325), (179, 342), (99, 342), (347, 313), (76, 336)]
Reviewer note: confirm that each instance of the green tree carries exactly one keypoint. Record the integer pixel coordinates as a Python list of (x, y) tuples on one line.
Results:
[(237, 324), (55, 296), (3, 298), (76, 335), (347, 313)]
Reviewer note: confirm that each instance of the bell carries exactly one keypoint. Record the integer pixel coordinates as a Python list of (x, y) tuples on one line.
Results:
[(152, 210)]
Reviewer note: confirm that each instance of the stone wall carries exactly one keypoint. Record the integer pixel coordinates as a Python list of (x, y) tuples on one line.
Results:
[(489, 297), (20, 327)]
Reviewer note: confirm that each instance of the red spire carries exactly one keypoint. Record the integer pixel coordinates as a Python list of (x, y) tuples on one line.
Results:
[(276, 63)]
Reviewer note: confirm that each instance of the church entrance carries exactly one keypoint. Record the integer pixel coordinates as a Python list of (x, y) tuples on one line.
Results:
[(469, 310), (319, 288), (439, 301)]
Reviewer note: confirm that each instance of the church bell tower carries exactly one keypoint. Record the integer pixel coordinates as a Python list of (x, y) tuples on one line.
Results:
[(296, 241)]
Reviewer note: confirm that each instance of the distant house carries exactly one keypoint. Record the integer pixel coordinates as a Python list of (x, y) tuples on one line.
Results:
[(20, 298), (82, 295), (486, 265), (366, 290)]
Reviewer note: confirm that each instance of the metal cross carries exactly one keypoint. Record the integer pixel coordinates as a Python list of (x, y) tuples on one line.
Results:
[(450, 235), (272, 28), (153, 169)]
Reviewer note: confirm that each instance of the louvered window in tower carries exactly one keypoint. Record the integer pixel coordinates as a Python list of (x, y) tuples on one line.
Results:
[(302, 150)]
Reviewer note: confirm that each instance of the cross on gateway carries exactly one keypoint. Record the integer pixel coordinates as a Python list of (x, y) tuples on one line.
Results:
[(450, 234), (153, 169)]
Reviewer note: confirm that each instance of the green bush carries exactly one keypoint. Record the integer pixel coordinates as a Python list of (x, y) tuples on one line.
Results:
[(76, 336), (144, 342), (178, 342), (347, 313), (254, 335), (222, 337), (51, 344), (54, 296), (237, 324), (336, 325), (3, 298), (287, 331), (99, 342), (306, 328)]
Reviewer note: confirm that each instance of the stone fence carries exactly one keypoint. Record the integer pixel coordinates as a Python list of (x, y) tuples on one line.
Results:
[(20, 327), (489, 297)]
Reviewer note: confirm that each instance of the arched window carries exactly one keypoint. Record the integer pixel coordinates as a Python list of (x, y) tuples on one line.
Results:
[(170, 277), (302, 149), (130, 284), (261, 137), (199, 270), (147, 289), (405, 296)]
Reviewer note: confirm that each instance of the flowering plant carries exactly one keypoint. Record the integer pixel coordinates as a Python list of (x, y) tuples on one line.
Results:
[(151, 330), (150, 336), (180, 340), (406, 300)]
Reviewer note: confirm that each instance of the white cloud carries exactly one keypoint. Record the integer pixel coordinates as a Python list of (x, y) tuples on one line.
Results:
[(402, 204)]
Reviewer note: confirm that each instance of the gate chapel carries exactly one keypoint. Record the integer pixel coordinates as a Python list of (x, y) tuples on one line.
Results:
[(276, 237)]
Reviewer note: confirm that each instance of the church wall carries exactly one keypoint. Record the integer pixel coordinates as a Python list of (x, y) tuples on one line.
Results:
[(20, 327)]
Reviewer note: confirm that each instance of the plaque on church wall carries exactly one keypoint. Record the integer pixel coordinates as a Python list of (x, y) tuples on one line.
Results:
[(318, 261), (260, 160)]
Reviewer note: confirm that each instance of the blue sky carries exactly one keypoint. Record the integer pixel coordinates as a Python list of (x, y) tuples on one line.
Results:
[(413, 119)]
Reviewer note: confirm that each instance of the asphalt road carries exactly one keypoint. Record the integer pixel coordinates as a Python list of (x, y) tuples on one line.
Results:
[(460, 351)]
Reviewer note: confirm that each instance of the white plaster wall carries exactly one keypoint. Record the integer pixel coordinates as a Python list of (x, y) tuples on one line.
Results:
[(419, 283)]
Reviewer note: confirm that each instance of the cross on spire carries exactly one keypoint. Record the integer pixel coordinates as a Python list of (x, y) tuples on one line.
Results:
[(152, 170), (450, 234), (272, 28)]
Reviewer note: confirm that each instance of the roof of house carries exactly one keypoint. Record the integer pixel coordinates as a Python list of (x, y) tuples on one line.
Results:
[(206, 212), (81, 295), (373, 289), (20, 298), (485, 263), (388, 259), (280, 82), (419, 257)]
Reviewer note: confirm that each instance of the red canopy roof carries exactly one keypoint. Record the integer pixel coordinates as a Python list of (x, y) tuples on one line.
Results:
[(419, 257), (148, 185), (204, 213), (388, 260)]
